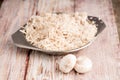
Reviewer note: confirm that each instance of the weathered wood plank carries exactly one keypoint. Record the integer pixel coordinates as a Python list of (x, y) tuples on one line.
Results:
[(13, 14), (104, 52)]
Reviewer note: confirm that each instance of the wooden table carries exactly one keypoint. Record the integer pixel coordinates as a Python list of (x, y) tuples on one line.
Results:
[(22, 64)]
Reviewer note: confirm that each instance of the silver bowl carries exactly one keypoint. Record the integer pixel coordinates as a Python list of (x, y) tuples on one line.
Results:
[(20, 41)]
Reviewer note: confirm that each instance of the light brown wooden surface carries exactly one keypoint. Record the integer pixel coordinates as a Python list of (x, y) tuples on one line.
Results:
[(22, 64), (13, 14)]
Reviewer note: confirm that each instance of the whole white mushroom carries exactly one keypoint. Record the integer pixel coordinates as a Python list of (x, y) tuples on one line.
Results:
[(67, 63), (83, 64)]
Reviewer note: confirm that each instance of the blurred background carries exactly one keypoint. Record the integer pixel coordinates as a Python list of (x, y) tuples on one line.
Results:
[(116, 6)]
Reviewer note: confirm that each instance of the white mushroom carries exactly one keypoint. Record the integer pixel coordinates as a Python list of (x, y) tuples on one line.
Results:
[(67, 63), (83, 64)]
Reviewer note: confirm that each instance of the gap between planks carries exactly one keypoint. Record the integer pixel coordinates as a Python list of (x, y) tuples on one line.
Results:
[(27, 63)]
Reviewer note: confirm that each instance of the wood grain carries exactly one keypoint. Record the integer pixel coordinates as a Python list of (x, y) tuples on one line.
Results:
[(103, 51), (13, 14), (23, 64)]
